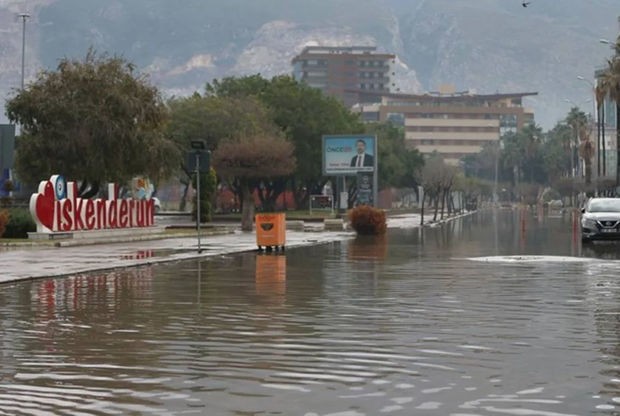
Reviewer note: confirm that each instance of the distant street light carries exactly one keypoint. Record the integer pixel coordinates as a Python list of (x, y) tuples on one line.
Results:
[(24, 17)]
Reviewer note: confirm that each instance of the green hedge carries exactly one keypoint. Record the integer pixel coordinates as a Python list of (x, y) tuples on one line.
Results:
[(20, 223)]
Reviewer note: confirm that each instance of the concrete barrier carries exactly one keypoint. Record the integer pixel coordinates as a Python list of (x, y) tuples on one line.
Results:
[(295, 225), (333, 224)]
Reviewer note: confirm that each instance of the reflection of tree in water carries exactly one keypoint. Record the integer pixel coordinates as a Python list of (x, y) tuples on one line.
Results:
[(369, 247)]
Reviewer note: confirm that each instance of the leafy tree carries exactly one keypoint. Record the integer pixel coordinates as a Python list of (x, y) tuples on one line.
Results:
[(438, 179), (522, 154), (556, 151), (213, 119), (578, 121), (399, 166), (250, 160), (304, 114), (250, 85), (93, 120), (482, 164)]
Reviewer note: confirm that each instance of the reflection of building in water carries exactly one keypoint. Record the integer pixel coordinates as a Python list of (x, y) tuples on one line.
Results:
[(89, 292), (138, 255), (271, 276)]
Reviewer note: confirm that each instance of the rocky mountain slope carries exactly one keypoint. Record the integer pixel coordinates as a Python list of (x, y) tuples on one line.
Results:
[(483, 45)]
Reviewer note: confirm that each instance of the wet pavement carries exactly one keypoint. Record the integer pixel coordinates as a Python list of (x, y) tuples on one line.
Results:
[(499, 313), (19, 263)]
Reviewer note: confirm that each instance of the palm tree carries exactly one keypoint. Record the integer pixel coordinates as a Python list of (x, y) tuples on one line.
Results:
[(608, 85), (578, 121)]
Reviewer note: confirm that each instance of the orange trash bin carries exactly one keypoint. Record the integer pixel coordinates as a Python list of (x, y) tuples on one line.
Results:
[(271, 231)]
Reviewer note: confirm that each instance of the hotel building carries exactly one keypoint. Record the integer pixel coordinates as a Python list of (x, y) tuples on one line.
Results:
[(453, 124), (345, 72)]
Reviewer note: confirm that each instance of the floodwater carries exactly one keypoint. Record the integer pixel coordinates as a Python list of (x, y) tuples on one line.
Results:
[(499, 313)]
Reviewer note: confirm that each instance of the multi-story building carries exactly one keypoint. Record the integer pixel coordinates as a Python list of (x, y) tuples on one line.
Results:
[(344, 72), (451, 123), (607, 125)]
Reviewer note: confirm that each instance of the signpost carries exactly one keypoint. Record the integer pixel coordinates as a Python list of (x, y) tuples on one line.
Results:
[(200, 162), (7, 147)]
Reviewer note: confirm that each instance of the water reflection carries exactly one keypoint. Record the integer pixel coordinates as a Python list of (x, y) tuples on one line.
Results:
[(369, 247), (401, 324), (271, 277)]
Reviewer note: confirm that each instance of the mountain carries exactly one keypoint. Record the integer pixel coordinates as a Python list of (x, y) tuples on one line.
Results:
[(480, 45)]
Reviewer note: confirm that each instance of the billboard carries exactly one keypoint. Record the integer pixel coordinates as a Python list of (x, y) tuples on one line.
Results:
[(349, 155)]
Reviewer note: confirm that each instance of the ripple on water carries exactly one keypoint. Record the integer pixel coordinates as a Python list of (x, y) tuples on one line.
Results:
[(335, 336)]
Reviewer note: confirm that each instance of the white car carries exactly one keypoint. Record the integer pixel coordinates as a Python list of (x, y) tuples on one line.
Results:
[(600, 219)]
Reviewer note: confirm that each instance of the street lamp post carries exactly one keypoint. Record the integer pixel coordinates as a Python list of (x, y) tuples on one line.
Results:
[(596, 114), (24, 17)]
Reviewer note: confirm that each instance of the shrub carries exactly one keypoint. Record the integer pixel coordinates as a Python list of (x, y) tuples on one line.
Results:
[(4, 219), (20, 223), (367, 220)]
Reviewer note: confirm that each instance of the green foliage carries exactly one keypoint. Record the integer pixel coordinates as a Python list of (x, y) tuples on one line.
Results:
[(4, 219), (522, 155), (251, 85), (399, 166), (20, 223), (557, 151), (94, 120), (208, 186), (214, 118), (303, 114), (367, 220)]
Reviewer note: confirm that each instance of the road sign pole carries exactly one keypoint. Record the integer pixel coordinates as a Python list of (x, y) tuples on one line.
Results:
[(198, 199)]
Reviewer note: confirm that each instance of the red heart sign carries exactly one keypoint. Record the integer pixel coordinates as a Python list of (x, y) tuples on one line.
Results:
[(45, 205)]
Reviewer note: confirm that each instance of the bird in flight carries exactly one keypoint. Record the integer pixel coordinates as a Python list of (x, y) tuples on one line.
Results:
[(525, 3)]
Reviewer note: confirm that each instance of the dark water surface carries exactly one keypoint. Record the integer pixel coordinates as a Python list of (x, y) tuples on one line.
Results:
[(412, 324)]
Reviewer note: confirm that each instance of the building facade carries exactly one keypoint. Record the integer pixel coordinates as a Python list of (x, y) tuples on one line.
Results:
[(605, 131), (453, 124), (344, 72)]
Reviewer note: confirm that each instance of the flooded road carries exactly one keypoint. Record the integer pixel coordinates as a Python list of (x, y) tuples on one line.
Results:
[(495, 314)]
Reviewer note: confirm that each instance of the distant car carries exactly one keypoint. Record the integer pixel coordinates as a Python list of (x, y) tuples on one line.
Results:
[(600, 219)]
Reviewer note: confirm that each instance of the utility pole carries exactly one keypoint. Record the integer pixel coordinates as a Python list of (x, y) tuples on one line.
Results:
[(24, 17)]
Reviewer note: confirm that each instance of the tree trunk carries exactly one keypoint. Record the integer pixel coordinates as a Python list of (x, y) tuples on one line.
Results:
[(183, 202), (422, 208), (617, 145), (436, 206), (443, 201), (247, 212), (588, 162)]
